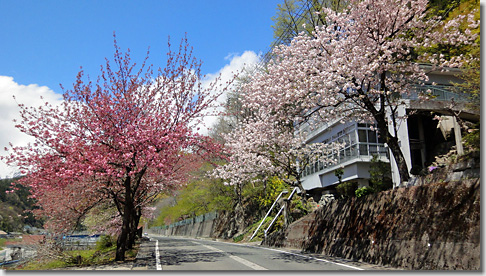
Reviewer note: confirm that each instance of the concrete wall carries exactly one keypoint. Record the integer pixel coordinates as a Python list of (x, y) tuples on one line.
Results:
[(434, 226), (195, 228)]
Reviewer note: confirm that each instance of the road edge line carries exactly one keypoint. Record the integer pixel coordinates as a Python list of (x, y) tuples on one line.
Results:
[(158, 266), (287, 252)]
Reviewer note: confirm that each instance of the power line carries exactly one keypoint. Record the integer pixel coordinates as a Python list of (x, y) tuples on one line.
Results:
[(285, 36)]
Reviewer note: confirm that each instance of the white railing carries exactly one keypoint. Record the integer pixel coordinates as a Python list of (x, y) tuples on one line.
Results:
[(279, 212)]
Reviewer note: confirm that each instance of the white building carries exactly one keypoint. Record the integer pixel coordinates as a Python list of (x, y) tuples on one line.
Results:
[(420, 136)]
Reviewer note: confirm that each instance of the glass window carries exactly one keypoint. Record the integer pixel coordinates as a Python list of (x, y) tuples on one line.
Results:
[(363, 149), (353, 150), (352, 137), (383, 151), (373, 150), (346, 139), (362, 135), (371, 136), (380, 139)]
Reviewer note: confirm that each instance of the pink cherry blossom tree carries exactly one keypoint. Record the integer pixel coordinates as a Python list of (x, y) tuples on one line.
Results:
[(358, 65), (121, 140)]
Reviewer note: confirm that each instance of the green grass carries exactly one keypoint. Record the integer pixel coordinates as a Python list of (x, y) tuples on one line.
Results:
[(2, 243), (76, 258)]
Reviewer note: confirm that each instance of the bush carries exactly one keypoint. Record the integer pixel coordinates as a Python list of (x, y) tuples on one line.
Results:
[(472, 139), (238, 238), (380, 174), (347, 189), (364, 191), (105, 242), (2, 243)]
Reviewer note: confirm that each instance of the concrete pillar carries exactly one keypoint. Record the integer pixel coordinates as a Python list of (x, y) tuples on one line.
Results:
[(458, 136)]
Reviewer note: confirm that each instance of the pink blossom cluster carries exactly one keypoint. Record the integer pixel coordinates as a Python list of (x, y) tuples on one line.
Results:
[(121, 140)]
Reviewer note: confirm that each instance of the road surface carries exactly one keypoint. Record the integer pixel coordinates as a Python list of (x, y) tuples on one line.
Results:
[(194, 254)]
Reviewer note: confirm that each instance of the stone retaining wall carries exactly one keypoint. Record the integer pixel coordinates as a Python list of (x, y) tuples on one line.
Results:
[(435, 226)]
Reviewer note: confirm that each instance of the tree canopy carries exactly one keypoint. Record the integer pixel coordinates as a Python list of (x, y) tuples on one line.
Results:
[(119, 141), (357, 65)]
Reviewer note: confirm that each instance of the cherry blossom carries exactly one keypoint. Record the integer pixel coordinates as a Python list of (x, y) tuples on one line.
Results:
[(119, 141), (357, 66)]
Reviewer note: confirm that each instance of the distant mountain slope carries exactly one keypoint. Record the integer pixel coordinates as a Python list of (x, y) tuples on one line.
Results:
[(14, 208)]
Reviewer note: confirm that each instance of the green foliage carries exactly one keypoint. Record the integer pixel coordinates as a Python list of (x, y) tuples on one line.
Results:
[(472, 140), (2, 243), (296, 16), (200, 196), (274, 186), (380, 174), (364, 191), (447, 10), (105, 242), (261, 232), (347, 189), (339, 173), (15, 207), (74, 258), (442, 7), (238, 238)]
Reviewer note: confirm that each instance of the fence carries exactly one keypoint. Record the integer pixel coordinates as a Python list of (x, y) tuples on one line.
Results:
[(79, 242)]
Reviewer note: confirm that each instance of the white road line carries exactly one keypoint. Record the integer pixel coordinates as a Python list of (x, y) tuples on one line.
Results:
[(281, 251), (158, 266), (236, 258), (295, 254), (317, 259)]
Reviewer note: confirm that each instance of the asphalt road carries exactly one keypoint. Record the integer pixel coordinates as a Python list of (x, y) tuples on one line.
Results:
[(194, 254)]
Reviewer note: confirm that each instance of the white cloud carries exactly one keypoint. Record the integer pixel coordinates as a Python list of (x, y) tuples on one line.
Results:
[(28, 95), (236, 64)]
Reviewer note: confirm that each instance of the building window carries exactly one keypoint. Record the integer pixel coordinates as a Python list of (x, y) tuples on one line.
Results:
[(359, 140)]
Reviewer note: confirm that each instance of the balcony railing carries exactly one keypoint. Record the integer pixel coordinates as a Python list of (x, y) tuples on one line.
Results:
[(438, 92), (355, 151)]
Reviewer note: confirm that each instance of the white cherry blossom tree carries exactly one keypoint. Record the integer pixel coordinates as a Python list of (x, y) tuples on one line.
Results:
[(358, 65)]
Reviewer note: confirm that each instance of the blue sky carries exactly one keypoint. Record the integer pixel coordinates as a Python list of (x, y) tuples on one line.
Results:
[(43, 43)]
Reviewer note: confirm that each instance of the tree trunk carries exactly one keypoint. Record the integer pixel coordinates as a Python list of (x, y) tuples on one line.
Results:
[(399, 159), (135, 220), (394, 146), (122, 243)]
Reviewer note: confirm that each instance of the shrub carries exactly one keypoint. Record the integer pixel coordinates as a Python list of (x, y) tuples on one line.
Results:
[(472, 139), (105, 242), (380, 174), (347, 189), (238, 238), (364, 191)]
